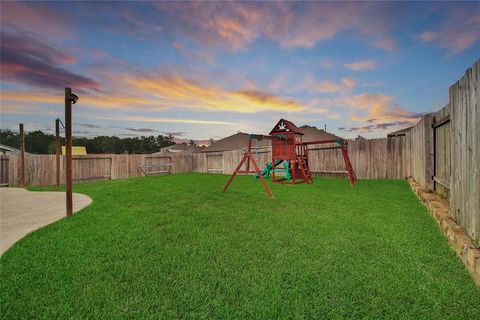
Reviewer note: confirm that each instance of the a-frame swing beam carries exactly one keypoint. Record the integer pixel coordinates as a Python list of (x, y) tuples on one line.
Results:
[(249, 158), (343, 147), (348, 165)]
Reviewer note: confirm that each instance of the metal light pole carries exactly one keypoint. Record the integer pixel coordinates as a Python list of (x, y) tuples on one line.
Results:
[(70, 99)]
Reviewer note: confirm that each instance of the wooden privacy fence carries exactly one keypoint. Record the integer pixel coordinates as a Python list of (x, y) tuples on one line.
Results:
[(465, 151), (40, 169), (91, 168), (371, 159), (445, 151)]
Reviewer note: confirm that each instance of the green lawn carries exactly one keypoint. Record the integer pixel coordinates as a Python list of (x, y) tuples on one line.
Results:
[(177, 247)]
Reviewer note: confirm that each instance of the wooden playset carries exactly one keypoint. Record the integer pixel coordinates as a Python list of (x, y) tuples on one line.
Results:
[(289, 157)]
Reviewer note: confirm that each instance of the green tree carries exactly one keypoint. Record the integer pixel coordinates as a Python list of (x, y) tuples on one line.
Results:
[(39, 142)]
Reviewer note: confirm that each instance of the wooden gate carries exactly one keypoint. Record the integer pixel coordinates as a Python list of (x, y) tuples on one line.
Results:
[(441, 152), (91, 168), (214, 162), (4, 161)]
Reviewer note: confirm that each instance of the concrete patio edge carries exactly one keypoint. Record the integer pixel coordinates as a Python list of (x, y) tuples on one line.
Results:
[(23, 211)]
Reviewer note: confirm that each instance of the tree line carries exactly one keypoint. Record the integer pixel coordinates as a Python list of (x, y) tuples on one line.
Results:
[(38, 142)]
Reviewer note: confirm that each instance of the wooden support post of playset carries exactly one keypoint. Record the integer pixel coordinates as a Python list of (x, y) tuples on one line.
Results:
[(351, 174), (342, 144), (249, 148), (248, 157)]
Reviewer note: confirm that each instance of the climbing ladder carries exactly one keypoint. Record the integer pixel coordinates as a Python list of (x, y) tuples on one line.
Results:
[(303, 165)]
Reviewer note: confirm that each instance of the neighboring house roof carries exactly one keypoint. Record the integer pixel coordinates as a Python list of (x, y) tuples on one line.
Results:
[(285, 126), (313, 134), (235, 142), (178, 147), (401, 132), (181, 148), (8, 149), (359, 137), (240, 140), (76, 151)]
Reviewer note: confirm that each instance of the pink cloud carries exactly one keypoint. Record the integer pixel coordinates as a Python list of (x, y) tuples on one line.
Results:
[(230, 24), (236, 25), (312, 85), (327, 63), (29, 61), (459, 30), (362, 65), (385, 44), (429, 35), (25, 44), (377, 126), (375, 107), (36, 18)]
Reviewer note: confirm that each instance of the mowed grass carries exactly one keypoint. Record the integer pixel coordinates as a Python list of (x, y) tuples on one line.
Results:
[(178, 247)]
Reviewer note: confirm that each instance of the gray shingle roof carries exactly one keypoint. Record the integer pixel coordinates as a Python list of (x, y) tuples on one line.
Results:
[(399, 132), (313, 134), (9, 149), (240, 140), (235, 142)]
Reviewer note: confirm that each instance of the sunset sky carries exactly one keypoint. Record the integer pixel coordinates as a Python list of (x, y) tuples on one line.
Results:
[(202, 70)]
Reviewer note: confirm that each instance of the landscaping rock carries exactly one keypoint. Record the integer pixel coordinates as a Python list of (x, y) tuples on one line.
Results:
[(437, 204), (456, 236), (446, 224), (461, 242), (473, 256), (440, 214), (427, 196)]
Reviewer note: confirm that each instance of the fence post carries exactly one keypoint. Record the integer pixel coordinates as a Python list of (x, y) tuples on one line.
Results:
[(112, 176), (429, 150), (21, 169)]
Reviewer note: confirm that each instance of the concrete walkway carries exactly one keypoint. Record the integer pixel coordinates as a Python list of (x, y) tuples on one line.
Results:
[(22, 212)]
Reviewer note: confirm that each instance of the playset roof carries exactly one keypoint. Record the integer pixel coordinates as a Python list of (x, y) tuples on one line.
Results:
[(285, 126)]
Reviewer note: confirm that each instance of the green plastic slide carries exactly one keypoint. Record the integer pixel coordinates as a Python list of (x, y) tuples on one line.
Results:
[(288, 175), (268, 169)]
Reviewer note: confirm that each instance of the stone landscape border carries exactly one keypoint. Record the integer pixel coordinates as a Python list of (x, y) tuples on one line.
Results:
[(463, 245)]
